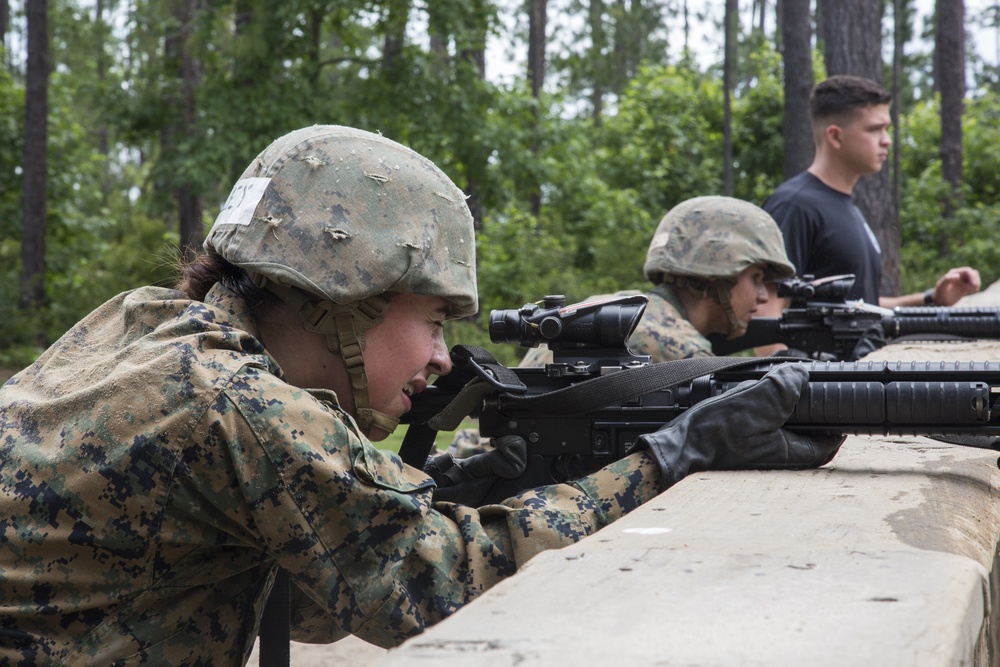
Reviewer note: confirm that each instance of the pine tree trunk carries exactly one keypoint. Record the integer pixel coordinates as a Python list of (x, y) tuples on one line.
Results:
[(899, 28), (598, 40), (395, 36), (35, 162), (188, 203), (796, 40), (732, 17), (853, 45), (537, 17), (949, 44), (4, 22), (476, 55)]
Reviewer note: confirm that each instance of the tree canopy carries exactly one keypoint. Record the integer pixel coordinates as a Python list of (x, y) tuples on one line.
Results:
[(156, 106)]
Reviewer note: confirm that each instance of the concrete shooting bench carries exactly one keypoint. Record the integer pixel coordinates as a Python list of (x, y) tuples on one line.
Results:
[(885, 557)]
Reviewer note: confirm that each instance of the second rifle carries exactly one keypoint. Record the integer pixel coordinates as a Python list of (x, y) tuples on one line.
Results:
[(821, 323)]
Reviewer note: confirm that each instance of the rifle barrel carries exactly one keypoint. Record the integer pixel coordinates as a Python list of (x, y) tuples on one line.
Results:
[(960, 322)]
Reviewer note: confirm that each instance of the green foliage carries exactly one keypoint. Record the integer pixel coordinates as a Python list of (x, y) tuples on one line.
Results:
[(97, 244), (509, 131), (981, 148), (11, 150), (567, 204), (757, 116), (589, 237), (932, 243), (518, 262), (665, 142)]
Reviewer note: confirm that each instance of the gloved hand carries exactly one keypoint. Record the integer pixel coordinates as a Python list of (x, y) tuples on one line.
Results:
[(741, 429), (469, 481), (872, 339)]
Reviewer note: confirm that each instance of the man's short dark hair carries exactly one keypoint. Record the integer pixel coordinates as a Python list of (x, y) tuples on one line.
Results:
[(841, 96)]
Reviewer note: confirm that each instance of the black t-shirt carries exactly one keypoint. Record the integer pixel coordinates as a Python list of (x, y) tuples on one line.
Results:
[(826, 235)]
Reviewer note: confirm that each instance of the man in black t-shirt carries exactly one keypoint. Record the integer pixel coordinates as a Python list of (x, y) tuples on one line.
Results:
[(825, 233)]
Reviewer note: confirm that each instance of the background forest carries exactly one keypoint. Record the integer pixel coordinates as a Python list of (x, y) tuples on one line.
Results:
[(123, 124)]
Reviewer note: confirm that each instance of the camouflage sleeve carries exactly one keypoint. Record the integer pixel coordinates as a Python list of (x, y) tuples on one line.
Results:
[(356, 529), (665, 335)]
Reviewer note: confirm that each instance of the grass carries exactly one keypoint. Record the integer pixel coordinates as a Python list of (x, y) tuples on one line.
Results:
[(444, 438)]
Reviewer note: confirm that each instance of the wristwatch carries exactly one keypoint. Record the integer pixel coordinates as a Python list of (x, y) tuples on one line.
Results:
[(929, 296)]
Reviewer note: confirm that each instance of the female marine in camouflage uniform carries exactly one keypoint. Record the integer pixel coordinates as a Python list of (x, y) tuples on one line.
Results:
[(166, 453), (708, 261), (165, 456)]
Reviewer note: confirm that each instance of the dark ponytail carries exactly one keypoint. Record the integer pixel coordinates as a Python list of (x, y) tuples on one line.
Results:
[(204, 271)]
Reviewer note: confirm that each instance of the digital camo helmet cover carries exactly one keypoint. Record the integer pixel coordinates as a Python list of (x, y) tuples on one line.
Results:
[(344, 215), (333, 220), (713, 238)]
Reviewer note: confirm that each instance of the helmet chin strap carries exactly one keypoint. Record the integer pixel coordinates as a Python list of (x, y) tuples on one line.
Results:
[(718, 290), (344, 327), (721, 291)]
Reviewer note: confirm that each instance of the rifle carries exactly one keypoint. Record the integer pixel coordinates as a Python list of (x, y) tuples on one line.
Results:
[(821, 323), (588, 407)]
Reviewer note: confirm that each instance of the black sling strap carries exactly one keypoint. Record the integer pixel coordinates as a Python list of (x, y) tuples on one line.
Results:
[(575, 399), (469, 364), (275, 630), (631, 383)]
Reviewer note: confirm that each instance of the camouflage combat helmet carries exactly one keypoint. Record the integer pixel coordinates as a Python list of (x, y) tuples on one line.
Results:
[(332, 220), (716, 237), (703, 244)]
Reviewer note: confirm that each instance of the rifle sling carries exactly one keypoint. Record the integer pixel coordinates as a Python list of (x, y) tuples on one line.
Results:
[(417, 444), (275, 629), (461, 406), (490, 376), (588, 395), (631, 383), (469, 362)]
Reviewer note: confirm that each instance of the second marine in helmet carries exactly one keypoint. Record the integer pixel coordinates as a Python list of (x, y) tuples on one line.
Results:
[(703, 245)]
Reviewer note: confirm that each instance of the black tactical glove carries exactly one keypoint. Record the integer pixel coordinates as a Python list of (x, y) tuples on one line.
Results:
[(469, 481), (741, 429), (872, 339)]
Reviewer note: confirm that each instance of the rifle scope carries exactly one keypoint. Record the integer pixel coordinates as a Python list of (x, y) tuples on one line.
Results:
[(832, 289), (600, 323)]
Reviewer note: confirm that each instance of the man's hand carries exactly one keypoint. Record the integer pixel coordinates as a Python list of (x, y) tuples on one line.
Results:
[(955, 284), (950, 287)]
